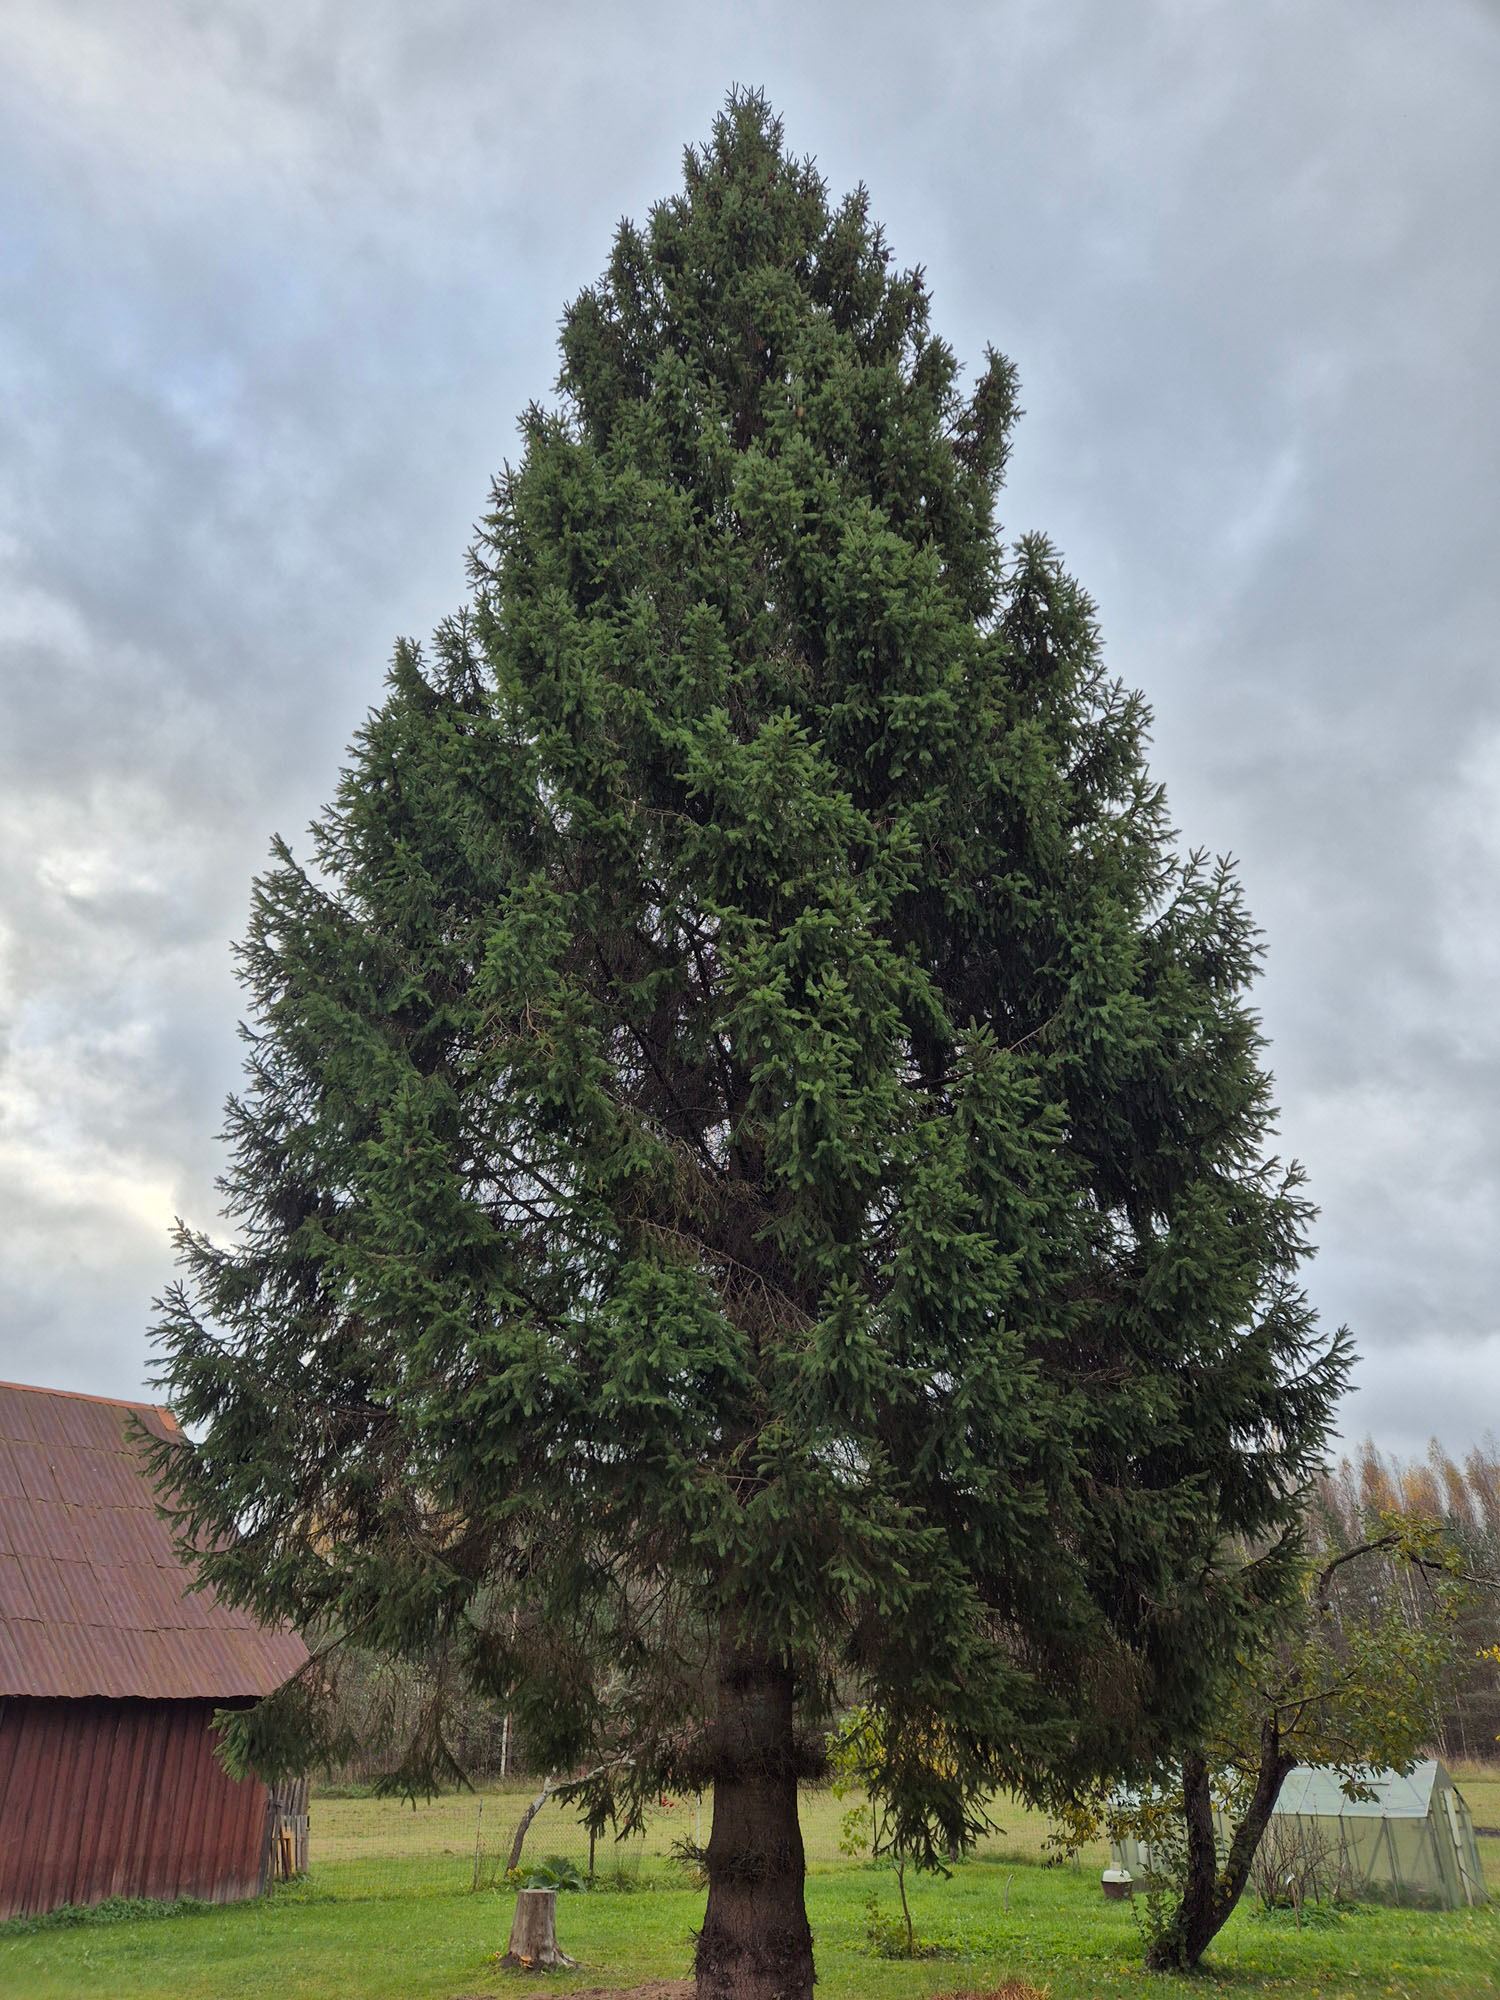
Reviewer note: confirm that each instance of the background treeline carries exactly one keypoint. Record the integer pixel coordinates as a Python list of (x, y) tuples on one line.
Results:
[(1353, 1505), (380, 1702)]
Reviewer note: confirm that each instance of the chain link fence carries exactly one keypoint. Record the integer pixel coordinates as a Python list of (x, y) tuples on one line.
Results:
[(355, 1847), (361, 1847)]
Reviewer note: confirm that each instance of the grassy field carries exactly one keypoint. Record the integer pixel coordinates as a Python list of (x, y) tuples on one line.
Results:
[(389, 1914)]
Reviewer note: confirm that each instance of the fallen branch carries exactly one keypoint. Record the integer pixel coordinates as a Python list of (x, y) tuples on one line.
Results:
[(549, 1786)]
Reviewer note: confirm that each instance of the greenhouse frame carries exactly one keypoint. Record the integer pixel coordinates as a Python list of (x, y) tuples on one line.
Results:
[(1411, 1841)]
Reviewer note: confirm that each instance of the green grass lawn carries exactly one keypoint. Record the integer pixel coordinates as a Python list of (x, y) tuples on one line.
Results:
[(388, 1916)]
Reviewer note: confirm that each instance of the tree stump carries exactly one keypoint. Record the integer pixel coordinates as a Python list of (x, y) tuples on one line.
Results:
[(533, 1931)]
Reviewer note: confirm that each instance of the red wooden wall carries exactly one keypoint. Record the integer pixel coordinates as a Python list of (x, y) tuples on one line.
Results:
[(120, 1798)]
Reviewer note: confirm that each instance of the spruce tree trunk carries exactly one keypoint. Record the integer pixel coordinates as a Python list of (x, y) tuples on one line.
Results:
[(755, 1943)]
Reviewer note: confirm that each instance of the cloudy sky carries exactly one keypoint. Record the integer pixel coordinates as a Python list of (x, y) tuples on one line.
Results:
[(278, 275)]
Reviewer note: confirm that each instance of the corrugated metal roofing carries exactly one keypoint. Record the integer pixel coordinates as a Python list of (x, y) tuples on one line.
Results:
[(93, 1598)]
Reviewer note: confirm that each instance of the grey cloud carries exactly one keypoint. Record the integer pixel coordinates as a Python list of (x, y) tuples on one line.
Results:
[(277, 281)]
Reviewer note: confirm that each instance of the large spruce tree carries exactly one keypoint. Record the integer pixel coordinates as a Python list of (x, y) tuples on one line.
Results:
[(752, 1186)]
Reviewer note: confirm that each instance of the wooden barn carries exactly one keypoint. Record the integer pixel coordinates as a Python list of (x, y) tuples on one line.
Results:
[(110, 1673)]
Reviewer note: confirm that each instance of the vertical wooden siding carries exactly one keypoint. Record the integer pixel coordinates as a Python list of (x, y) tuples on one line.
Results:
[(120, 1798)]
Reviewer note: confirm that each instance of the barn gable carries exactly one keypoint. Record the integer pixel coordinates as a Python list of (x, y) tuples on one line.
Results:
[(93, 1597)]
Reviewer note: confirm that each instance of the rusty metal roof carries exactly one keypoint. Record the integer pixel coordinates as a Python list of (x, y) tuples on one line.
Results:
[(93, 1596)]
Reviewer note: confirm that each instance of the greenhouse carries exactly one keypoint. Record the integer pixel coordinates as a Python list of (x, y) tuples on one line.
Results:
[(1412, 1841)]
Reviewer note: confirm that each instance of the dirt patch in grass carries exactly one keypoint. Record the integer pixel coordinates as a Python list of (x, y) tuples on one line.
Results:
[(683, 1989), (653, 1989), (1013, 1989), (650, 1989)]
